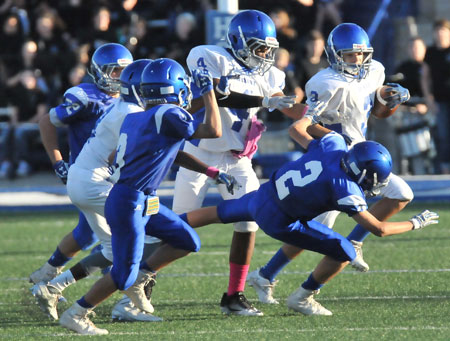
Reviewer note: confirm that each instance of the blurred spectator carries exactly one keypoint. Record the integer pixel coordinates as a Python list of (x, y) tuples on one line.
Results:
[(101, 31), (6, 112), (414, 74), (54, 58), (186, 34), (412, 128), (438, 58), (328, 15), (314, 58), (286, 34), (30, 104), (11, 37)]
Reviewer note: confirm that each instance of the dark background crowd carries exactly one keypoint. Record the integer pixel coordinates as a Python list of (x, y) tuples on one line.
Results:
[(46, 46)]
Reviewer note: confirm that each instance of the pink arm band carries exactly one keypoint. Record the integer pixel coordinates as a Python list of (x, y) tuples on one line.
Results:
[(212, 172)]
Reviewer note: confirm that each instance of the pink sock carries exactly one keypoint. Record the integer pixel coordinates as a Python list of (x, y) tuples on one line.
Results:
[(238, 274)]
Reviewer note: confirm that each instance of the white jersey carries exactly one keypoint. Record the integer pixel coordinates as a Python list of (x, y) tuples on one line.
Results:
[(105, 136), (235, 122), (349, 101)]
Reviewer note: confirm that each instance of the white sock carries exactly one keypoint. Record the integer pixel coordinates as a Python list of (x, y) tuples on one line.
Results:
[(63, 280)]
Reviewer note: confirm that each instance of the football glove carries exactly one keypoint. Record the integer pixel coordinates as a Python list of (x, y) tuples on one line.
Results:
[(203, 80), (223, 87), (62, 170), (278, 102), (314, 110), (399, 95), (424, 219), (229, 181)]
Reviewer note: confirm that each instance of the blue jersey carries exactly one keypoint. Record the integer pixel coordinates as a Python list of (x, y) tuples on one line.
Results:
[(316, 183), (148, 145), (82, 106)]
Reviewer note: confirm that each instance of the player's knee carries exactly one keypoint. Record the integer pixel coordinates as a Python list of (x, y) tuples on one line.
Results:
[(246, 226), (193, 244), (124, 277), (85, 238)]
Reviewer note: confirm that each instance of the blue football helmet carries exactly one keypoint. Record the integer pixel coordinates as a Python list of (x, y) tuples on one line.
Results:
[(347, 38), (165, 81), (107, 63), (249, 31), (369, 164), (130, 81)]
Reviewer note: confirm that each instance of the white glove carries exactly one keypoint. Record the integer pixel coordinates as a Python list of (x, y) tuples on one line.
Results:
[(278, 102), (314, 110), (423, 219)]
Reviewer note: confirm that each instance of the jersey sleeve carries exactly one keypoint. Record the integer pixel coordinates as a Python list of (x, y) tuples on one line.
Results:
[(205, 57), (276, 80), (176, 122), (75, 101), (318, 90), (350, 198)]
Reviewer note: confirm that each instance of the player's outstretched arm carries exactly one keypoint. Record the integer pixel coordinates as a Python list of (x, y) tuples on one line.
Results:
[(212, 127), (299, 129), (190, 162), (384, 228), (298, 132), (49, 137)]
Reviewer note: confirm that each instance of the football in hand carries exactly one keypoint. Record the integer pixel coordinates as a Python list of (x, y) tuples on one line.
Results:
[(382, 111)]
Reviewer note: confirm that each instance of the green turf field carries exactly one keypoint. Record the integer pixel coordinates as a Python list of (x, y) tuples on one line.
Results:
[(404, 296)]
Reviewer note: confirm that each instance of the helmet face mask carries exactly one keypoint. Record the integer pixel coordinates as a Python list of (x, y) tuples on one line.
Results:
[(369, 164), (107, 64), (349, 38), (252, 38), (165, 81)]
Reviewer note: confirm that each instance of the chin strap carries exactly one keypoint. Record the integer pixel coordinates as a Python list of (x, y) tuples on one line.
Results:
[(140, 103)]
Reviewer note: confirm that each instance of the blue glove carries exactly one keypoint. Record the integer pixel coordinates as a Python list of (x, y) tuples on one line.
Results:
[(229, 181), (203, 80), (400, 95), (223, 87), (62, 170)]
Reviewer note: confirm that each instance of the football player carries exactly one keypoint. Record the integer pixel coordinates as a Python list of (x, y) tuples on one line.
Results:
[(327, 177), (147, 147), (245, 80), (348, 90), (88, 186), (82, 106)]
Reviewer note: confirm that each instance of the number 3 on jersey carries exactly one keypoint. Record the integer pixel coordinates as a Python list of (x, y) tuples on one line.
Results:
[(120, 152), (314, 168)]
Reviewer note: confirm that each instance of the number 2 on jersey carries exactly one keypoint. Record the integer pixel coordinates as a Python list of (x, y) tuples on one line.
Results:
[(314, 168)]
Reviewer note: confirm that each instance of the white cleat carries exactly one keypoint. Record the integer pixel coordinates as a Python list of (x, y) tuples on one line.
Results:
[(76, 318), (263, 287), (47, 297), (358, 263), (302, 300), (45, 273), (137, 292), (124, 310)]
